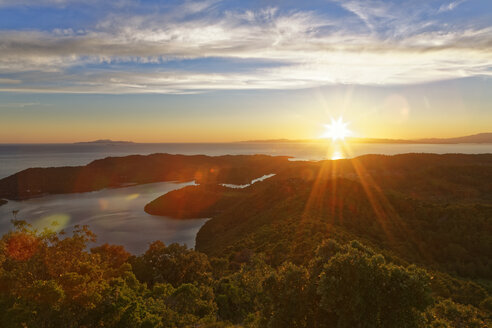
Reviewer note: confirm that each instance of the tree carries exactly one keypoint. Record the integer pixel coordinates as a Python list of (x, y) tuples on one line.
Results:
[(286, 302), (48, 279), (238, 294), (361, 290), (447, 313), (174, 264)]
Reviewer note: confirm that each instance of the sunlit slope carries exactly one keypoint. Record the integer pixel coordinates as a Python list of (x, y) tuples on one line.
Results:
[(435, 210)]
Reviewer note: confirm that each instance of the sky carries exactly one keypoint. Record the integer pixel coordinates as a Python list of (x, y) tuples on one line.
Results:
[(218, 71)]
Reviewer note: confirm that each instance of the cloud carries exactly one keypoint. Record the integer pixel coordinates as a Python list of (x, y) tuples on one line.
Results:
[(9, 81), (310, 50), (19, 105), (61, 3), (369, 11), (193, 7), (450, 6)]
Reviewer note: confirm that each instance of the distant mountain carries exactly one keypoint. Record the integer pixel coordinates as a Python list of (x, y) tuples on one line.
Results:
[(479, 138), (273, 141), (476, 138), (104, 142)]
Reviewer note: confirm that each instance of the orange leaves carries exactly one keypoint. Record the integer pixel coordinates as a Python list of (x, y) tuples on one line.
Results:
[(22, 246)]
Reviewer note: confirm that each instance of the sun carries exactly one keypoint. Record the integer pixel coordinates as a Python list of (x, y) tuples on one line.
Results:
[(336, 130)]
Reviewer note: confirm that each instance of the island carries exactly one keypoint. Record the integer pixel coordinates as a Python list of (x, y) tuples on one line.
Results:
[(104, 142)]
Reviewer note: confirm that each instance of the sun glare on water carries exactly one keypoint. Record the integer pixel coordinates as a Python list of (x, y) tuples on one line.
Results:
[(336, 130)]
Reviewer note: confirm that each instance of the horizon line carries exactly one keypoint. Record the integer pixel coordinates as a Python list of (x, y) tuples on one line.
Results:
[(280, 140)]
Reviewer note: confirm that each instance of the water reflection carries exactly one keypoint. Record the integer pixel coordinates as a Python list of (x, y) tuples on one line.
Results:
[(266, 176), (115, 215), (337, 150)]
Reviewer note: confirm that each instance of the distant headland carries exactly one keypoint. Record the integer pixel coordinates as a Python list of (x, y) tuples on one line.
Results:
[(104, 142), (480, 138)]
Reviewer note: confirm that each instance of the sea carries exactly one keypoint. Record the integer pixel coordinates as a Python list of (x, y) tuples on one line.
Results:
[(117, 215)]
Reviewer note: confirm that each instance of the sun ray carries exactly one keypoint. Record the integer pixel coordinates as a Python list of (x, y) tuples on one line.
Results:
[(326, 184), (385, 213)]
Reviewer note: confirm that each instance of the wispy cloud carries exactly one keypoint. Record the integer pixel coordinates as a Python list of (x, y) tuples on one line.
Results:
[(371, 12), (19, 105), (9, 81), (450, 6), (61, 3), (312, 49)]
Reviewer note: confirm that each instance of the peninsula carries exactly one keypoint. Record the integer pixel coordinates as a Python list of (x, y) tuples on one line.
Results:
[(114, 172)]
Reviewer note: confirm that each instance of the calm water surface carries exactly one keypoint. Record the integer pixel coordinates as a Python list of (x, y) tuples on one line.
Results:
[(116, 215), (14, 158)]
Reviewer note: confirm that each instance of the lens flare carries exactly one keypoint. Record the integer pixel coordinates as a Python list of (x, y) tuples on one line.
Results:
[(54, 222), (132, 196)]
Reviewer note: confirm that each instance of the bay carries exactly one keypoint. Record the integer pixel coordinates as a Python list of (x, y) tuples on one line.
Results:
[(117, 215)]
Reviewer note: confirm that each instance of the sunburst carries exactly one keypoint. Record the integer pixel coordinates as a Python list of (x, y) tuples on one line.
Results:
[(336, 130)]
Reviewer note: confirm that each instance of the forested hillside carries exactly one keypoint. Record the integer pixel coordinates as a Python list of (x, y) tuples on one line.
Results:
[(377, 241)]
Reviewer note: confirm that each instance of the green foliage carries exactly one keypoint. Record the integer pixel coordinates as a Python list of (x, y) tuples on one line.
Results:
[(447, 313), (430, 210), (51, 280), (174, 264), (345, 286), (360, 289), (193, 300), (238, 295), (286, 302)]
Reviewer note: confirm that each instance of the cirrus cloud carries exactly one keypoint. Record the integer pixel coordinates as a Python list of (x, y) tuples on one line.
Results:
[(309, 50)]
